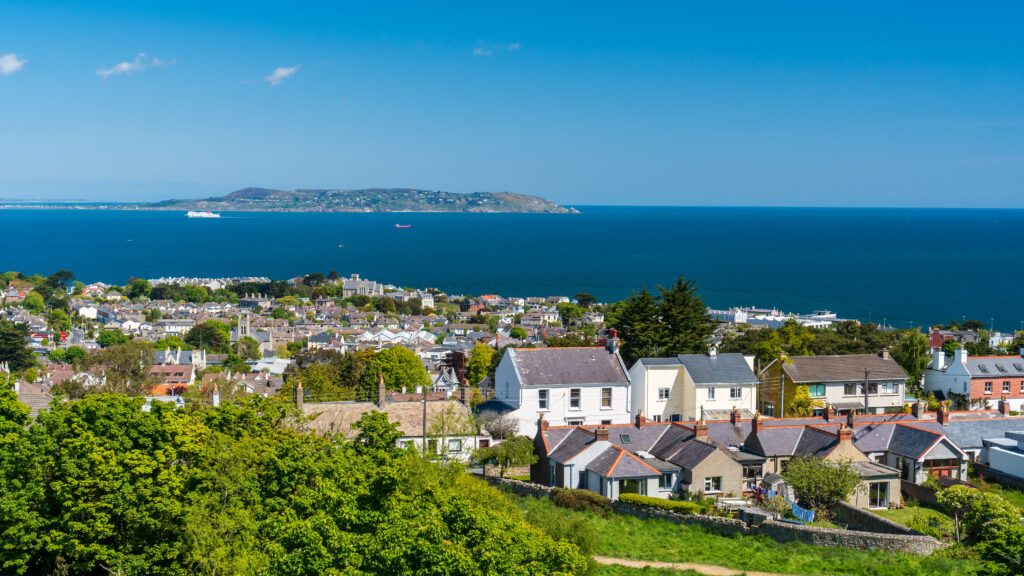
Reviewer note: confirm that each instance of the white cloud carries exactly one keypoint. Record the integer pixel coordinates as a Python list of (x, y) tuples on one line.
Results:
[(10, 63), (141, 62), (483, 49), (281, 74)]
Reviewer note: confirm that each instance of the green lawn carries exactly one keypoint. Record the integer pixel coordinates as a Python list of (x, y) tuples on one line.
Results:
[(923, 519), (1015, 497), (628, 537)]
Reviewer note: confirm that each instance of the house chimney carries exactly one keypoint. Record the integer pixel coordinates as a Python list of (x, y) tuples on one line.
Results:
[(755, 423), (381, 390), (612, 341), (713, 351), (734, 415), (830, 412), (640, 420), (845, 434), (938, 359), (943, 415), (216, 395), (919, 409), (851, 418), (542, 424), (1021, 351), (960, 356), (601, 434), (701, 430), (300, 396), (1004, 406), (885, 353)]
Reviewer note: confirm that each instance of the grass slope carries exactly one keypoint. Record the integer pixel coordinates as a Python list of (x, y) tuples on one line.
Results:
[(628, 537)]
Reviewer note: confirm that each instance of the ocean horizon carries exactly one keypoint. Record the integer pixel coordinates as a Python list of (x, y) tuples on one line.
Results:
[(901, 266)]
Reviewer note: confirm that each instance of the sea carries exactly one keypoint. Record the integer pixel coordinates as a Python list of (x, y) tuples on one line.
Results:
[(900, 267)]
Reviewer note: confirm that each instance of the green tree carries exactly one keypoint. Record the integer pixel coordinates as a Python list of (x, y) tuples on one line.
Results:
[(138, 288), (585, 299), (385, 305), (171, 342), (58, 321), (949, 347), (800, 403), (400, 366), (249, 348), (820, 483), (639, 324), (282, 314), (912, 352), (479, 362), (211, 336), (518, 332), (111, 337), (569, 313), (957, 501), (14, 349), (34, 302), (688, 327), (125, 366), (511, 453)]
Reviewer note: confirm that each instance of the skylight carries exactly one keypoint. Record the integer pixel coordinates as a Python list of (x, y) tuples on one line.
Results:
[(1000, 367), (983, 368), (624, 438), (1018, 366)]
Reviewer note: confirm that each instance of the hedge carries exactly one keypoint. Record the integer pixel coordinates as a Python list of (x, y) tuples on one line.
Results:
[(680, 506), (582, 500)]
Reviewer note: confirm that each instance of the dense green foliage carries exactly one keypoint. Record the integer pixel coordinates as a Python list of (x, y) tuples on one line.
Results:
[(14, 348), (676, 322), (100, 486), (576, 499), (820, 483), (512, 453), (792, 339), (988, 523), (480, 359), (111, 338), (680, 506)]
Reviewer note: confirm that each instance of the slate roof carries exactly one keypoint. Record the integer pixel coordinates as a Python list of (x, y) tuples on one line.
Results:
[(691, 453), (815, 442), (729, 368), (988, 366), (842, 368), (585, 365), (911, 441), (616, 462), (574, 442)]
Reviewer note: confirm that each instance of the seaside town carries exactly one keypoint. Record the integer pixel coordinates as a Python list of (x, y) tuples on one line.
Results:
[(652, 406)]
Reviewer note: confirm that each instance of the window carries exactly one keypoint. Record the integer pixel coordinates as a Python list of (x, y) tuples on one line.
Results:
[(583, 480), (624, 438), (1022, 386), (485, 443), (542, 399), (735, 393), (574, 422), (1001, 368), (663, 393), (890, 388), (405, 443), (432, 445), (872, 388), (752, 471), (633, 486), (656, 417), (983, 368), (768, 409), (878, 495), (1006, 387), (816, 390), (454, 445), (606, 422), (712, 484), (574, 398), (606, 397), (850, 389), (711, 393), (988, 387), (679, 417), (666, 481), (554, 474)]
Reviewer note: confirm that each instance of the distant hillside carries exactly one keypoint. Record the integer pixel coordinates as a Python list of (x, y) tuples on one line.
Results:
[(368, 200)]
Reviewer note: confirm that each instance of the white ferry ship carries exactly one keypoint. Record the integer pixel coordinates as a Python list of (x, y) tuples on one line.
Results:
[(202, 214)]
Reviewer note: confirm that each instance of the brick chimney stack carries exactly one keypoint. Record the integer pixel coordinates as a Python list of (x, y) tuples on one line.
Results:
[(943, 415), (542, 424), (612, 341), (830, 412), (845, 434), (1004, 406), (702, 430), (381, 390), (601, 434), (300, 396), (640, 420), (734, 416), (851, 419), (919, 409), (755, 423)]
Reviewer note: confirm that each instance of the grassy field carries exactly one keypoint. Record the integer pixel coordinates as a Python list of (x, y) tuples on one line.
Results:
[(624, 571), (628, 537), (1015, 497), (923, 519)]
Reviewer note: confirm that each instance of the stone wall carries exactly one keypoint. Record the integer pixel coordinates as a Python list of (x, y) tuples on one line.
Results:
[(921, 494), (778, 531), (866, 521)]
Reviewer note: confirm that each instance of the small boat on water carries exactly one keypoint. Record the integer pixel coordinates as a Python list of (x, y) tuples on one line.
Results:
[(201, 214), (403, 225)]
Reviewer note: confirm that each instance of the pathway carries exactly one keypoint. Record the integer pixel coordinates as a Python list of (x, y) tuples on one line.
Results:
[(705, 569)]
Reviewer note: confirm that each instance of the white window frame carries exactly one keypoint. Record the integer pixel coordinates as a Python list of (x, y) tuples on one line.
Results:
[(664, 393), (709, 484), (543, 399), (457, 443), (577, 402), (574, 421), (735, 393), (606, 394), (711, 393), (670, 477)]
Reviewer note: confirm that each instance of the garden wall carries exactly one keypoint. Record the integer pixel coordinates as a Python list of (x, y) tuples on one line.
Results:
[(778, 531), (865, 521), (998, 477)]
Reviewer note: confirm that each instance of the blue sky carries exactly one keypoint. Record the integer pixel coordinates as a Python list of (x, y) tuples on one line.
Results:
[(782, 103)]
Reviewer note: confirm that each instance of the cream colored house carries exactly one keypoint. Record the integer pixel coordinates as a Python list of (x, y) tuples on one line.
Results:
[(684, 387)]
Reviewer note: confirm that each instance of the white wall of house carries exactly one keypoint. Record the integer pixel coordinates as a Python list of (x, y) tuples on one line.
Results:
[(881, 394), (1006, 461), (685, 398), (745, 398), (948, 374), (458, 448)]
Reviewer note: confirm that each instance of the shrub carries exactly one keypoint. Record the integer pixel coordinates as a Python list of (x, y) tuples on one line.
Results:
[(582, 500), (680, 506)]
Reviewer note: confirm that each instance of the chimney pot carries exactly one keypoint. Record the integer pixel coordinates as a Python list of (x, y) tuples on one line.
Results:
[(755, 423), (845, 434), (640, 420), (943, 414), (1004, 406), (701, 430), (851, 419), (919, 409), (734, 416), (542, 424), (601, 434), (830, 412)]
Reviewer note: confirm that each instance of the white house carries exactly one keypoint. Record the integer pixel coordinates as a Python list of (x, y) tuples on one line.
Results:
[(683, 387), (570, 386), (976, 383)]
